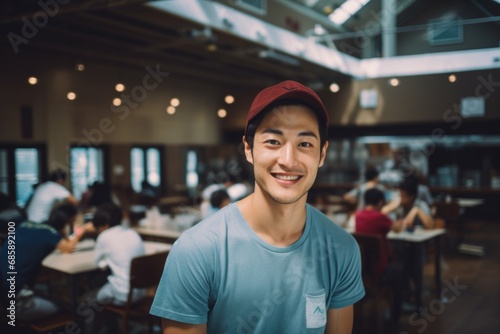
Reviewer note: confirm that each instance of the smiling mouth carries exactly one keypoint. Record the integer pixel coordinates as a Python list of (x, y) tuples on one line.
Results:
[(287, 177)]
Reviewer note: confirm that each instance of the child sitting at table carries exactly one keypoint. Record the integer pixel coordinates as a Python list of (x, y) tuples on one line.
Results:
[(116, 246)]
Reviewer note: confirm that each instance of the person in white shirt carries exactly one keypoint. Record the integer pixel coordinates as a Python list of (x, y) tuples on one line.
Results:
[(47, 195), (116, 246)]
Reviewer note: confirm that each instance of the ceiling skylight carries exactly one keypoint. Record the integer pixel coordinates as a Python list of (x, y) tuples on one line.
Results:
[(346, 10)]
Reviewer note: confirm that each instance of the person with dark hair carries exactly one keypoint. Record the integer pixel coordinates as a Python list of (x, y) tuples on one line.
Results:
[(33, 243), (47, 195), (270, 262), (370, 220), (356, 195), (116, 246), (219, 199), (408, 207)]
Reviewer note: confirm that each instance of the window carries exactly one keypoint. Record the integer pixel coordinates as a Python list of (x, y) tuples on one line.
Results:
[(26, 161), (87, 167), (20, 169), (145, 165), (191, 170), (442, 32)]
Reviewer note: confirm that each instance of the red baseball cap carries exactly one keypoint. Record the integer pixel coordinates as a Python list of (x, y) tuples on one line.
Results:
[(283, 91)]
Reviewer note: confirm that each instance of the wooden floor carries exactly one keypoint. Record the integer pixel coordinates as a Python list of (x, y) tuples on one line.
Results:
[(475, 305)]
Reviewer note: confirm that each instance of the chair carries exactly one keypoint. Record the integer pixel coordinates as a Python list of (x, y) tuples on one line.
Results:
[(55, 322), (370, 246), (145, 272)]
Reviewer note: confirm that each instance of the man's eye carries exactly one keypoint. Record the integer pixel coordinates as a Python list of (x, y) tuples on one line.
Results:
[(305, 144), (273, 142)]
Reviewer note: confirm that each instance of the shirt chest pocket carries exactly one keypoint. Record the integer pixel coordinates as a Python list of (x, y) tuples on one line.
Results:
[(316, 309)]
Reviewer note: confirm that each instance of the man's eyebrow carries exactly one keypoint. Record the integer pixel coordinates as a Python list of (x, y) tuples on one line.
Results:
[(273, 131), (308, 134), (300, 134)]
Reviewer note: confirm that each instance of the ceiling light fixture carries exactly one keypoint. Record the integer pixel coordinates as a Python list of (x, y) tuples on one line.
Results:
[(229, 99), (32, 80)]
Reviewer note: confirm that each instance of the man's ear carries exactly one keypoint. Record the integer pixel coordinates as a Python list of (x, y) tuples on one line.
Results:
[(323, 154), (248, 150)]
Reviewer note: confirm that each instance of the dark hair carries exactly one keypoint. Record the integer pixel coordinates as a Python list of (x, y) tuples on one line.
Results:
[(410, 186), (218, 197), (57, 175), (255, 122), (107, 214), (371, 174), (373, 196), (61, 215), (101, 194)]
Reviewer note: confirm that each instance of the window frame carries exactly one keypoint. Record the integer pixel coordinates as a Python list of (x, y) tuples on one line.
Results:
[(105, 162), (144, 149), (11, 165)]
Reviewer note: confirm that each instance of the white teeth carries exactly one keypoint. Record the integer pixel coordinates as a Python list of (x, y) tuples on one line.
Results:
[(287, 178)]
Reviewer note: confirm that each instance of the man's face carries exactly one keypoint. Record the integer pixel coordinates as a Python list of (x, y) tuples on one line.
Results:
[(286, 153)]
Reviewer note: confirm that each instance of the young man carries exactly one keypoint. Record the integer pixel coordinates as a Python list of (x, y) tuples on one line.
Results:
[(116, 246), (370, 220), (47, 195), (268, 263), (33, 243)]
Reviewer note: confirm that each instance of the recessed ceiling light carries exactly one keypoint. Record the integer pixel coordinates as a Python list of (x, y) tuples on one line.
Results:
[(120, 87), (394, 82), (117, 102), (222, 113), (80, 67), (32, 80), (71, 96), (452, 78), (170, 110), (334, 87), (175, 102), (229, 99)]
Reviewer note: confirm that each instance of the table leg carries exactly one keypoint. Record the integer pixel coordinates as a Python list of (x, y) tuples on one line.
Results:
[(437, 273), (419, 273)]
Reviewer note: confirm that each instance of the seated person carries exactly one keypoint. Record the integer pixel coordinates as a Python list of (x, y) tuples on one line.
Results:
[(33, 243), (370, 220), (116, 246), (409, 207), (218, 199), (355, 196), (47, 195), (9, 212)]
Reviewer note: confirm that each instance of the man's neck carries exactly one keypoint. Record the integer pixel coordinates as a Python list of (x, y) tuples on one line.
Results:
[(277, 224)]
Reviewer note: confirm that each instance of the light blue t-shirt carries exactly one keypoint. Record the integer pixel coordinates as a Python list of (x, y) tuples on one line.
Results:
[(221, 273)]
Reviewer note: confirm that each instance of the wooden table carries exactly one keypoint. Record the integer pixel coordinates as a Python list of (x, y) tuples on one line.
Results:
[(158, 234), (419, 238), (82, 262)]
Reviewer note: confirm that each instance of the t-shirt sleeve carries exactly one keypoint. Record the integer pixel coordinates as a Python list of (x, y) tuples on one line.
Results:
[(184, 288), (350, 287)]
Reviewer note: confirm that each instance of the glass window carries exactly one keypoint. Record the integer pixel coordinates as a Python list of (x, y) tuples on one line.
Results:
[(20, 169), (87, 167), (145, 164), (26, 162), (191, 167)]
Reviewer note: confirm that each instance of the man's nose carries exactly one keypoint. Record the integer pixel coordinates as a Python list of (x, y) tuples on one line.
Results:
[(288, 156)]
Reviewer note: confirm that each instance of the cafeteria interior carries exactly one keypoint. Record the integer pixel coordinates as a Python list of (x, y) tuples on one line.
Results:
[(143, 104)]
